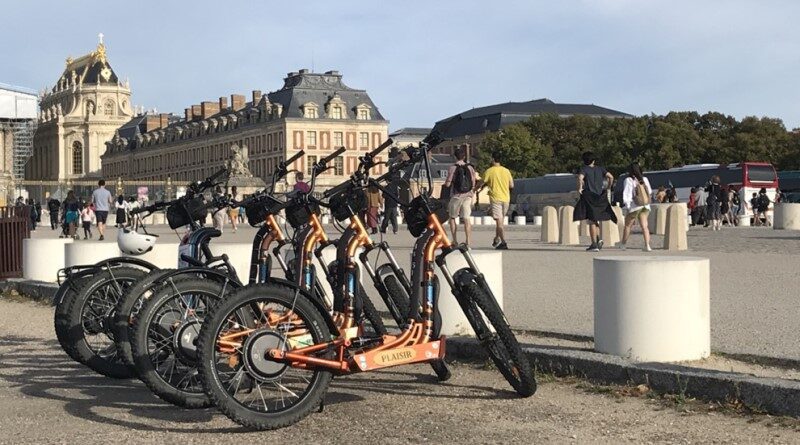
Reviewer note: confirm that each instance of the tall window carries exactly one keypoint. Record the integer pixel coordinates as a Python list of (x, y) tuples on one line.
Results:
[(311, 112), (311, 138), (338, 165), (108, 108), (311, 160), (77, 158), (363, 114), (336, 113), (363, 140), (338, 139)]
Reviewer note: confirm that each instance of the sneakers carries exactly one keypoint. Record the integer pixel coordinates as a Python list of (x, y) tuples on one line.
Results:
[(647, 248), (101, 238), (502, 246), (621, 246), (600, 244), (495, 242), (593, 248)]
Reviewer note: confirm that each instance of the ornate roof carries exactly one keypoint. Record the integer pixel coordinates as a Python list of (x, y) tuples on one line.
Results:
[(92, 68)]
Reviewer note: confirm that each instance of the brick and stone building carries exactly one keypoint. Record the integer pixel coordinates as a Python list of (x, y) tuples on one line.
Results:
[(315, 112), (76, 119)]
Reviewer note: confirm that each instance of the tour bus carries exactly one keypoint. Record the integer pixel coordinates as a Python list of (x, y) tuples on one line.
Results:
[(530, 195)]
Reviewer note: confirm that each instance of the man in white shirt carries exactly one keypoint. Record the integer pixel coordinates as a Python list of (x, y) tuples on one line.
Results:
[(102, 200)]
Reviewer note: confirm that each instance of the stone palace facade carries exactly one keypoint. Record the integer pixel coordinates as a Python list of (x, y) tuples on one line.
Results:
[(312, 111)]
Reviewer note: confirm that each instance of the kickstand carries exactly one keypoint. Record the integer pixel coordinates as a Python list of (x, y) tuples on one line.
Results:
[(321, 405)]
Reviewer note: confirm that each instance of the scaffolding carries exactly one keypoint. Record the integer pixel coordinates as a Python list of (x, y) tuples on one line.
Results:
[(22, 131)]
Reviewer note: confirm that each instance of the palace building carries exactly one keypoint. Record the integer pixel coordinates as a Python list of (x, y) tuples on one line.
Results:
[(315, 112), (76, 119)]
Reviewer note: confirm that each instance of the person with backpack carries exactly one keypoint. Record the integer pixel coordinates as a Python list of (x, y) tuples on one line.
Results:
[(636, 198), (593, 204), (461, 180), (53, 206), (714, 203), (762, 206)]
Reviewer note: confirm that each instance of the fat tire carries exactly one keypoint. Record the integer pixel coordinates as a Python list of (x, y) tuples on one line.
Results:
[(60, 318), (502, 345), (398, 296), (122, 317), (139, 343), (207, 346), (111, 366), (371, 313)]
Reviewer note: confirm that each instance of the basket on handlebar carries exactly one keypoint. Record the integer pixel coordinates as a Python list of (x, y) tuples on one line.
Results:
[(417, 217), (347, 203), (186, 211), (258, 210), (297, 215)]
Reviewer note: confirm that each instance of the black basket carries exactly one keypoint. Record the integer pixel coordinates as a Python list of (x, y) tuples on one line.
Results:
[(417, 216), (298, 215), (258, 210), (186, 211), (348, 203)]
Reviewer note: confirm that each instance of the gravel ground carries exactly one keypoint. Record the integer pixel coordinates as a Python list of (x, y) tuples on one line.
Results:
[(547, 287), (46, 398)]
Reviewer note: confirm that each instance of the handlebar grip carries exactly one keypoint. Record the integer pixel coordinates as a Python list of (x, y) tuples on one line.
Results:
[(296, 156), (336, 190), (333, 155), (216, 175), (382, 147)]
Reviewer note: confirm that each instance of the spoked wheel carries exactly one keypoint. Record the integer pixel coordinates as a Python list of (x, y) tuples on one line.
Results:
[(128, 308), (61, 315), (90, 316), (495, 335), (164, 339), (234, 349)]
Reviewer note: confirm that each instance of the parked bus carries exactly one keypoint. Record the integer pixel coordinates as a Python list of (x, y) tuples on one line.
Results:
[(532, 194)]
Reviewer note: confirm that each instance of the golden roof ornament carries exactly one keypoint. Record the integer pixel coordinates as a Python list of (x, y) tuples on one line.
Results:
[(100, 52), (69, 60)]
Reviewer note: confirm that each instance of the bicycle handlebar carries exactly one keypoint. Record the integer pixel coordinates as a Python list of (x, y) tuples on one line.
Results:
[(296, 156), (332, 156), (381, 147)]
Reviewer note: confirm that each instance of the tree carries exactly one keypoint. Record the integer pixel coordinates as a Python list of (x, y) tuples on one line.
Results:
[(522, 154)]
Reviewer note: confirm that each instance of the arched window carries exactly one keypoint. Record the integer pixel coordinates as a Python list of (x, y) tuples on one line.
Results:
[(108, 108), (77, 158)]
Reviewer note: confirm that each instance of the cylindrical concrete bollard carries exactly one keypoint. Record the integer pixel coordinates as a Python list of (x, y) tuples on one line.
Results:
[(549, 225), (520, 220), (488, 220), (505, 220), (744, 220), (786, 216), (164, 255), (238, 255), (491, 266), (620, 220), (537, 220), (661, 219), (477, 220), (640, 315), (568, 230), (89, 252), (675, 236), (583, 228), (609, 232), (42, 258)]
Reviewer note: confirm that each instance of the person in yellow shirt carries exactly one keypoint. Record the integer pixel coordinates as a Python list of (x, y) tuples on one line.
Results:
[(500, 183)]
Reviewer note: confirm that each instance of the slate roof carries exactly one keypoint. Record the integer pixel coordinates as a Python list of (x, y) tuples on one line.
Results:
[(494, 117), (90, 67), (415, 131)]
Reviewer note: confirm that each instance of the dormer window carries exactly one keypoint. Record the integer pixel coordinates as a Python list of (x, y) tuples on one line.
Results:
[(336, 112), (363, 112), (335, 107), (310, 110)]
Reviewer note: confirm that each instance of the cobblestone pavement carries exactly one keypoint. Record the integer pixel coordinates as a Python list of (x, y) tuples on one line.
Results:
[(47, 398), (547, 287)]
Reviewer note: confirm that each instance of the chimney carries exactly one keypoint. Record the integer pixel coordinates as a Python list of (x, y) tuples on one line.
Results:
[(151, 123), (163, 120), (332, 73), (256, 97), (188, 114), (223, 103), (304, 71), (209, 109), (197, 112), (237, 102)]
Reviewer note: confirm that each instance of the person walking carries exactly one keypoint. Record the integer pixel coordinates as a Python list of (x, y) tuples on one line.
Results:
[(299, 184), (500, 183), (102, 200), (661, 194), (636, 198), (692, 205), (390, 205), (726, 208), (762, 206), (71, 207), (87, 215), (700, 207), (233, 211), (122, 208), (461, 180), (374, 201), (593, 204), (53, 206), (714, 203)]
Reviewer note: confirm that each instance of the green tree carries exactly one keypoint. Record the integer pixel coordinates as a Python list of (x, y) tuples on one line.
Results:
[(522, 153)]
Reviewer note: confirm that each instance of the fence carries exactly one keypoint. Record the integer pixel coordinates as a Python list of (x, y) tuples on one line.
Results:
[(14, 227)]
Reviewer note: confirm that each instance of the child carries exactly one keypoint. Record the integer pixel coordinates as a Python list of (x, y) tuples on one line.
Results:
[(86, 217)]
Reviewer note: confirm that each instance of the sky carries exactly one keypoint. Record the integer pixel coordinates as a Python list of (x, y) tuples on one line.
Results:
[(422, 61)]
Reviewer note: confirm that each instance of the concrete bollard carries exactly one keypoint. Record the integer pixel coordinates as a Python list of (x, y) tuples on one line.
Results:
[(609, 232), (42, 258), (89, 252), (568, 230), (238, 255), (537, 220), (520, 220), (477, 220), (325, 219), (620, 221), (488, 220), (549, 225), (744, 220), (505, 220), (583, 228), (675, 235), (661, 219), (491, 266), (642, 314), (786, 216), (399, 220), (457, 220), (164, 255)]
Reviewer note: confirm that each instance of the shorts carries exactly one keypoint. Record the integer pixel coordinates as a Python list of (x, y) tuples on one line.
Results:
[(499, 209), (101, 216), (635, 214), (460, 206)]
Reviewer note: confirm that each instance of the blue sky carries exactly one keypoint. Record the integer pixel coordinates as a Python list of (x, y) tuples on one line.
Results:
[(422, 61)]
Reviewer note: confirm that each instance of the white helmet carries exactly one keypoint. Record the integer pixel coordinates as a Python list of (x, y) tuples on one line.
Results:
[(134, 243)]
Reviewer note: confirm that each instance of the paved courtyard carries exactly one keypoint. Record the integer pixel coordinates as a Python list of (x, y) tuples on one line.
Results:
[(754, 307)]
